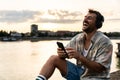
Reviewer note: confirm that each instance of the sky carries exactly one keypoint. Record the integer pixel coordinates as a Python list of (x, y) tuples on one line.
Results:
[(19, 15)]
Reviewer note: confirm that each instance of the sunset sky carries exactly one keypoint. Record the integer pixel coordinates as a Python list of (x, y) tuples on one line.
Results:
[(56, 15)]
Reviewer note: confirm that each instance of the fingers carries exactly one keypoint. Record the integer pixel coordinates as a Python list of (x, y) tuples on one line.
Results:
[(60, 52), (70, 56), (71, 52), (69, 48)]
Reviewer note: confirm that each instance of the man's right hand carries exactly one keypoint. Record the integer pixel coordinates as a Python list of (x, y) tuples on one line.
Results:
[(61, 53)]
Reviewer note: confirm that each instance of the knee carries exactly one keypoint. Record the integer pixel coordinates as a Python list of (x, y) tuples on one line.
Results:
[(53, 58)]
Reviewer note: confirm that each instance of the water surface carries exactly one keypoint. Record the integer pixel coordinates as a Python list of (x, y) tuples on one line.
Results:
[(22, 60)]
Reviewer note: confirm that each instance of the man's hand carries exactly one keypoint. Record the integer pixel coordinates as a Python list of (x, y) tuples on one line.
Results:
[(72, 53), (61, 53)]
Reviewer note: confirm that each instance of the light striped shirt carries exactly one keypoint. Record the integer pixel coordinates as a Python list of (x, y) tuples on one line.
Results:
[(100, 52)]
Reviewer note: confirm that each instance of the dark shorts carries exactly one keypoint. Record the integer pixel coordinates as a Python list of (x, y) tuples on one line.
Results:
[(73, 71)]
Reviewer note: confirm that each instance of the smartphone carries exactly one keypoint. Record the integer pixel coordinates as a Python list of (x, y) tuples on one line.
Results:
[(60, 45)]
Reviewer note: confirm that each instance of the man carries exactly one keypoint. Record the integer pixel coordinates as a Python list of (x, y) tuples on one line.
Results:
[(91, 49)]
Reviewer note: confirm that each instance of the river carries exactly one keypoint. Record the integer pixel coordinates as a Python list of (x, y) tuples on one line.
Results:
[(22, 60)]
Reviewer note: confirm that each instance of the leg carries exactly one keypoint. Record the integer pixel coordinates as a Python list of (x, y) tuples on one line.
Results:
[(52, 63), (73, 72)]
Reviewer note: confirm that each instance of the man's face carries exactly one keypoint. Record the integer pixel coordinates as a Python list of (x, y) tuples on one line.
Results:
[(89, 23)]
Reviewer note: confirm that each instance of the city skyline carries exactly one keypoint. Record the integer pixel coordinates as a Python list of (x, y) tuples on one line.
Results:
[(55, 15)]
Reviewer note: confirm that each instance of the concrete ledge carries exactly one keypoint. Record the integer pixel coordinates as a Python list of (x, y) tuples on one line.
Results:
[(115, 75)]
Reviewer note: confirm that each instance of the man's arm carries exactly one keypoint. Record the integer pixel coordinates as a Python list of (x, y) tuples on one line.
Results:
[(92, 65)]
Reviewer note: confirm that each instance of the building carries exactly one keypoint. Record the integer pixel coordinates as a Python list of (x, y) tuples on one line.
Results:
[(63, 33), (34, 30)]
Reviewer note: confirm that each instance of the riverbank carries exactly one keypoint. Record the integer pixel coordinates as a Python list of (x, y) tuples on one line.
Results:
[(43, 38), (36, 38), (115, 75)]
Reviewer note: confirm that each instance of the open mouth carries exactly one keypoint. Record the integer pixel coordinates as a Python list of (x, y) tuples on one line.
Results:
[(85, 24)]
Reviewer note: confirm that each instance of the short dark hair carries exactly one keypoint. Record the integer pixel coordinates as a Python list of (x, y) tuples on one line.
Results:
[(99, 18)]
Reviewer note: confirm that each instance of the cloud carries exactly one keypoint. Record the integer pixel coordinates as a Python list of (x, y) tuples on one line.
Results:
[(46, 20), (16, 16), (58, 16), (64, 13), (49, 16)]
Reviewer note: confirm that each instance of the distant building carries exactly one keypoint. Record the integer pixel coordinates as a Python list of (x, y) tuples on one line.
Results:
[(34, 30), (46, 33), (62, 33), (15, 34)]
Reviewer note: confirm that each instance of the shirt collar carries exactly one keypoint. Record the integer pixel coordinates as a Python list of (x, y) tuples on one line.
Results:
[(93, 39)]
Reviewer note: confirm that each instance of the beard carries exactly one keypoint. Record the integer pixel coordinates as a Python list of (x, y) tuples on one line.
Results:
[(88, 29)]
